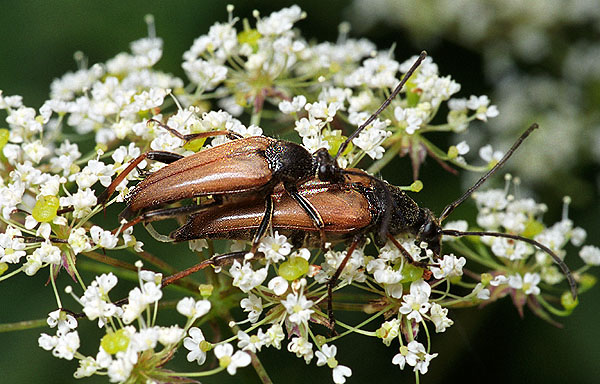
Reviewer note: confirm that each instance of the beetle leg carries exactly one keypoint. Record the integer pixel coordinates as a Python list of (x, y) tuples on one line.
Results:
[(407, 255), (162, 156), (193, 136), (312, 212), (162, 214), (264, 224), (334, 278), (38, 239), (217, 261)]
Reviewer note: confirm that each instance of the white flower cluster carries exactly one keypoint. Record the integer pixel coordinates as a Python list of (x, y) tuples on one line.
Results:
[(126, 351), (49, 199), (516, 43)]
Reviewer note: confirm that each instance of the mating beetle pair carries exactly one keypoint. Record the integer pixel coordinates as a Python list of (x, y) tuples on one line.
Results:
[(241, 170), (259, 182)]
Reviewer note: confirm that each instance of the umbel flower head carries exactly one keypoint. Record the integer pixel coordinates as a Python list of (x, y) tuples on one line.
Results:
[(241, 77)]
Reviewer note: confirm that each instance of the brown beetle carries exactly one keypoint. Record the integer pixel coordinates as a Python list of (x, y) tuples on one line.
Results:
[(350, 211), (244, 169)]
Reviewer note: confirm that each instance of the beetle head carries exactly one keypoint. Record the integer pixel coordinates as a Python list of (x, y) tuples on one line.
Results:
[(326, 167), (430, 232)]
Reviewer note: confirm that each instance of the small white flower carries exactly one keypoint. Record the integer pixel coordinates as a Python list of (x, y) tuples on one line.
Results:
[(233, 361), (278, 285), (95, 301), (463, 148), (408, 354), (416, 303), (64, 321), (94, 171), (207, 74), (322, 110), (35, 151), (193, 344), (274, 336), (275, 247), (530, 282), (66, 346), (481, 293), (488, 154), (499, 280), (389, 331), (253, 305), (120, 368), (102, 238), (79, 241), (590, 255), (439, 316), (11, 245), (515, 281), (47, 342), (450, 266), (193, 309), (511, 249), (414, 354), (296, 105), (87, 367), (10, 196), (279, 22), (578, 236), (170, 335), (251, 343), (82, 201), (302, 348), (298, 307), (327, 356), (245, 278)]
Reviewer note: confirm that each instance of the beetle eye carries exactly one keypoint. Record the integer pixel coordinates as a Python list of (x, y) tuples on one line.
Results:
[(325, 171), (427, 229)]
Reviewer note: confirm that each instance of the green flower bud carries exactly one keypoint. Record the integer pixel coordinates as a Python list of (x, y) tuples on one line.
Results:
[(532, 228), (587, 281), (250, 37), (4, 135), (413, 95), (224, 361), (114, 342), (195, 145), (101, 146), (335, 140), (206, 290), (416, 186), (568, 302), (45, 209), (3, 268), (411, 273), (320, 340), (294, 268), (205, 346), (485, 279), (452, 152)]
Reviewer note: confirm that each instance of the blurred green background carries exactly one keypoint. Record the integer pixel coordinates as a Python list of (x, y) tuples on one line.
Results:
[(489, 345)]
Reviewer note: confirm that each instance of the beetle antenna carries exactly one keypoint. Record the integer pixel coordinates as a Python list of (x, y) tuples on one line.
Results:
[(451, 207), (383, 106), (561, 264)]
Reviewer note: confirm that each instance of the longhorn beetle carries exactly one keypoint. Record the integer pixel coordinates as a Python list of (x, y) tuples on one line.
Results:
[(364, 205), (242, 169)]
